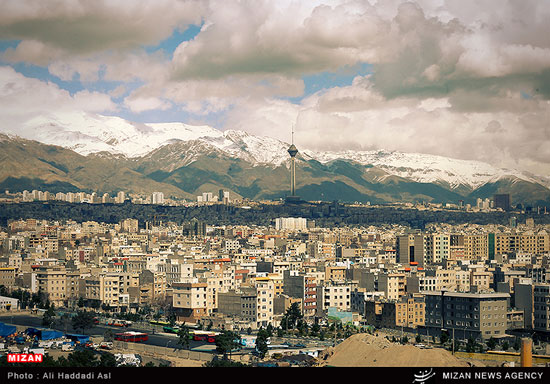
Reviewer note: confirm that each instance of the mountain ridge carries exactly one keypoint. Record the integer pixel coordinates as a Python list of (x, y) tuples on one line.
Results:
[(185, 160)]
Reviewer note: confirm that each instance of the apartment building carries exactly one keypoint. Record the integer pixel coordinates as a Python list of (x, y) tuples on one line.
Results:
[(541, 307), (52, 280), (7, 276), (253, 304), (190, 301), (333, 295), (392, 284), (476, 247), (302, 286), (477, 315), (410, 311)]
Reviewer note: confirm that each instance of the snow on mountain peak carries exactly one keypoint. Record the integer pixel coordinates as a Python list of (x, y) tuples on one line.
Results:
[(89, 133)]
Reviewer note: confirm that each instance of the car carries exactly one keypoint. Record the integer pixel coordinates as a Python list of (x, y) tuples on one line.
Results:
[(106, 345)]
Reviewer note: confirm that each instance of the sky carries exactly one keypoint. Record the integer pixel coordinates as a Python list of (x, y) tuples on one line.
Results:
[(466, 79)]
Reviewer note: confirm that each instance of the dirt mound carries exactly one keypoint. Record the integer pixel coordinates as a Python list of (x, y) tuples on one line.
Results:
[(364, 350)]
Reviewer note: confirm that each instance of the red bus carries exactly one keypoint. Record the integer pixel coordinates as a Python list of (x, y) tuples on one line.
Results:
[(205, 336), (135, 337)]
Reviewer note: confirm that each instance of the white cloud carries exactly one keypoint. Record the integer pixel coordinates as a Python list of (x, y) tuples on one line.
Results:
[(22, 98), (467, 79)]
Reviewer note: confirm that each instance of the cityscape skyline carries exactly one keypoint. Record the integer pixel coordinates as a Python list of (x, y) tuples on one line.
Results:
[(429, 77)]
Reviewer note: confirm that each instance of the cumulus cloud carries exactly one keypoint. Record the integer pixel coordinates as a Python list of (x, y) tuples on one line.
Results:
[(359, 117), (80, 26), (467, 79), (22, 98)]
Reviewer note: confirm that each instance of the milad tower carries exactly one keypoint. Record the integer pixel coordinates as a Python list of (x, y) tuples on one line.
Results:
[(292, 151)]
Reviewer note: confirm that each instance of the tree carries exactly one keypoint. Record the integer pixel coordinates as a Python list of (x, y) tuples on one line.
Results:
[(224, 363), (261, 342), (491, 343), (107, 360), (49, 316), (471, 345), (505, 346), (227, 341), (444, 337), (315, 328), (108, 335), (418, 338), (184, 336), (83, 320), (269, 330), (292, 316), (348, 332)]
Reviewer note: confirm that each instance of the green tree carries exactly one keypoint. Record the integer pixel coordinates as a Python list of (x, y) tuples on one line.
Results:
[(292, 316), (49, 316), (82, 321), (315, 328), (505, 346), (84, 358), (444, 338), (184, 337), (269, 330), (418, 338), (226, 342), (261, 342), (471, 345), (107, 360), (224, 363), (172, 319), (108, 335), (491, 343), (348, 332)]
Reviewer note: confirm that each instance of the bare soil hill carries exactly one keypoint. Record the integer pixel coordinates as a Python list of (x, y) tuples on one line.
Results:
[(364, 350)]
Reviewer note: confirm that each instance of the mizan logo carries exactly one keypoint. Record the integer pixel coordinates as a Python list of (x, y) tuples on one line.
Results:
[(423, 376)]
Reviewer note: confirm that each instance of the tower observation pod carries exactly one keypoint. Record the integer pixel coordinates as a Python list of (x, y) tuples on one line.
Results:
[(292, 151)]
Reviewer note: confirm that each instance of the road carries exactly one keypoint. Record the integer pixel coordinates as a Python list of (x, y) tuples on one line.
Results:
[(156, 338)]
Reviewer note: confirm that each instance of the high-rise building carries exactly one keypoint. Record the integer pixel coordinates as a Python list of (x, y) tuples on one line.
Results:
[(502, 201), (158, 198), (290, 223)]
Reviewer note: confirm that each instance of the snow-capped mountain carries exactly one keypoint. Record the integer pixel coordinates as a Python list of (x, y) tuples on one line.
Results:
[(425, 168), (87, 134)]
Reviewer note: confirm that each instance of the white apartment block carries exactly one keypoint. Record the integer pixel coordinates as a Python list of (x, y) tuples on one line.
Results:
[(335, 296), (290, 223)]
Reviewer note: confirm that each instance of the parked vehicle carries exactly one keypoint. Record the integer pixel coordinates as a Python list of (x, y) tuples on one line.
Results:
[(132, 336), (106, 345)]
